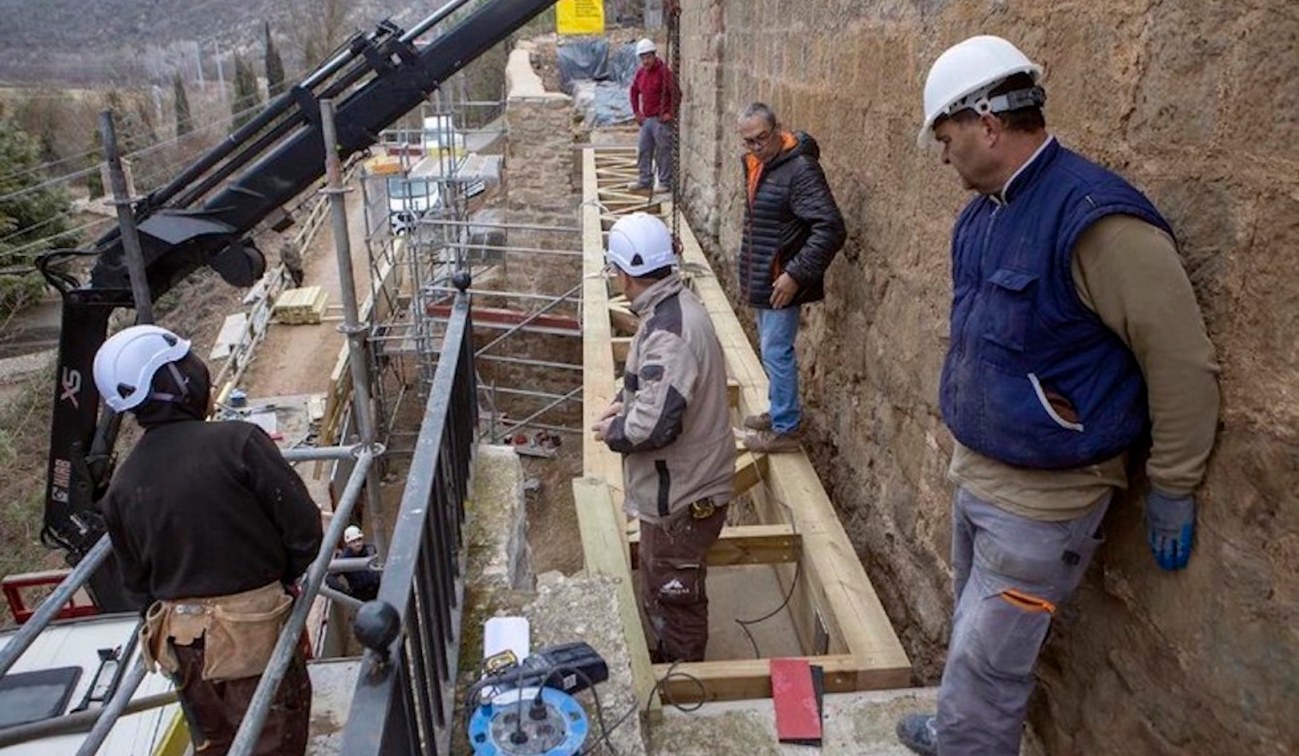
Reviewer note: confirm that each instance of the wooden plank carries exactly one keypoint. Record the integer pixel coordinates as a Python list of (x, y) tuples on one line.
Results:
[(618, 348), (841, 591), (733, 393), (750, 469), (742, 679), (623, 320), (604, 548), (598, 384), (742, 544)]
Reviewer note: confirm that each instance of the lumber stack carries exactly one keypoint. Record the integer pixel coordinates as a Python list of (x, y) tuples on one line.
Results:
[(306, 305)]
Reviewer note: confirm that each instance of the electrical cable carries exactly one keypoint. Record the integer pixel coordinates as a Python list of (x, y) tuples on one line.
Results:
[(793, 584), (134, 154)]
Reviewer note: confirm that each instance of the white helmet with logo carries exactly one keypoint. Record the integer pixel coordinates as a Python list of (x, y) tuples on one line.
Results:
[(645, 46), (351, 534), (128, 360), (639, 243), (963, 75)]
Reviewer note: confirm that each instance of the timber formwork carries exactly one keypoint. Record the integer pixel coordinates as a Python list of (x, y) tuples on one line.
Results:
[(834, 610)]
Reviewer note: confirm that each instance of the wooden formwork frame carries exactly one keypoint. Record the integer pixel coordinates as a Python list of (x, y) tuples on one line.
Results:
[(837, 615)]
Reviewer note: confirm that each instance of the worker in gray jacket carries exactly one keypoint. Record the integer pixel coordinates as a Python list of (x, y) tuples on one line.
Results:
[(671, 422)]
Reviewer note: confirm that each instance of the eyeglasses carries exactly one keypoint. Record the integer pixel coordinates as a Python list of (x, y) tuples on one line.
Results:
[(755, 142)]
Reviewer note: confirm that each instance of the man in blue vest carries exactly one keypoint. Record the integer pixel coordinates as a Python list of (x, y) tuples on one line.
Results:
[(1075, 336)]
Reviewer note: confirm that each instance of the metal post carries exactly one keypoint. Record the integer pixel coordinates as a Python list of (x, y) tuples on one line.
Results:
[(352, 328), (126, 220), (53, 603), (259, 707)]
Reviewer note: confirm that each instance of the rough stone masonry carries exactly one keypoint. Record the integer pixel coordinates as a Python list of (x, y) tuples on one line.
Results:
[(1197, 103)]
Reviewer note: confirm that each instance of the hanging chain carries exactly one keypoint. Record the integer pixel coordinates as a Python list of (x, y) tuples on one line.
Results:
[(672, 9)]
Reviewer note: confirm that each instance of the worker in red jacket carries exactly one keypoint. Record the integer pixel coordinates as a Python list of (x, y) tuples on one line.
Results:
[(654, 99)]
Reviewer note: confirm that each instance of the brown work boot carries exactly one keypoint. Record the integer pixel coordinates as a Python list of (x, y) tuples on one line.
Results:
[(644, 191), (772, 442), (758, 422)]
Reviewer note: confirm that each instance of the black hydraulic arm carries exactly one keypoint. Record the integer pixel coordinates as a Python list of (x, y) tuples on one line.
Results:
[(376, 80)]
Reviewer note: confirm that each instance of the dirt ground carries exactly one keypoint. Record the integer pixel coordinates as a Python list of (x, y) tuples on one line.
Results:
[(298, 359), (552, 519)]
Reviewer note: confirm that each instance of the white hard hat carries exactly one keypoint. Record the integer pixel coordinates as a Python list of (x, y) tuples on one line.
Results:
[(639, 243), (352, 533), (126, 363), (644, 46), (963, 75)]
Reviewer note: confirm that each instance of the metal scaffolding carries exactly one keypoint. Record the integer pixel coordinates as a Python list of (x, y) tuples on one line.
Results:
[(436, 211)]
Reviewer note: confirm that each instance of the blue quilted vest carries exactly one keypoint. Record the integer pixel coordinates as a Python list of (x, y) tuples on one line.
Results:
[(1022, 343)]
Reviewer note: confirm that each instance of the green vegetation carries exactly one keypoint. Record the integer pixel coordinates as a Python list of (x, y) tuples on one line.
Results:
[(32, 220)]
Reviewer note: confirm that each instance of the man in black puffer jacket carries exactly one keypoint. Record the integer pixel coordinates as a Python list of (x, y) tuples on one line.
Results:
[(792, 230)]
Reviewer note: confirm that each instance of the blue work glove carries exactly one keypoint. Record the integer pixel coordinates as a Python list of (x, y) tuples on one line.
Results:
[(1170, 521)]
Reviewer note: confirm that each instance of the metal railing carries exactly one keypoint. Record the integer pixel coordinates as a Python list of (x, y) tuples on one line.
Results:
[(403, 700)]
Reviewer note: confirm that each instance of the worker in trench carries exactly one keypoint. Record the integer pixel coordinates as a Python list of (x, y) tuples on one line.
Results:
[(359, 584), (671, 424), (210, 527), (1076, 338)]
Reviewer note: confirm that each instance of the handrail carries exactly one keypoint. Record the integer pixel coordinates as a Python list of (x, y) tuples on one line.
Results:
[(402, 701), (49, 608)]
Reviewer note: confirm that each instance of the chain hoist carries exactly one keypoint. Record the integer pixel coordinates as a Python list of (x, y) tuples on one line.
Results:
[(672, 10)]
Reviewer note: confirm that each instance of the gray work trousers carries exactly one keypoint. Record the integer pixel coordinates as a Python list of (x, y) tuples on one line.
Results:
[(654, 144), (1010, 574)]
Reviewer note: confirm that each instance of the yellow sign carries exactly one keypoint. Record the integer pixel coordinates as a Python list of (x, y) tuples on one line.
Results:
[(579, 16)]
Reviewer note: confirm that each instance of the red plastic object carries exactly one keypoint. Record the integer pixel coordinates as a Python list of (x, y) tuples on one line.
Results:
[(798, 718), (14, 585)]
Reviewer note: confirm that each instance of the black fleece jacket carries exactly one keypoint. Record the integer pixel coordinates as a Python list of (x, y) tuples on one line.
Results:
[(208, 509), (791, 225)]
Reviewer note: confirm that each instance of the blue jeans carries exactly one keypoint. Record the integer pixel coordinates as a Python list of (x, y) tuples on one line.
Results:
[(1010, 574), (776, 332)]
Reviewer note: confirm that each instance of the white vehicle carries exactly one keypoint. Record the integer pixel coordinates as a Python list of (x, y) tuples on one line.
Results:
[(73, 665), (441, 135), (411, 198)]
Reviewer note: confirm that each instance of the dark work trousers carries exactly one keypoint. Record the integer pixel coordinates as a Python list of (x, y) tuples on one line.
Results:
[(214, 710), (1010, 573), (672, 578)]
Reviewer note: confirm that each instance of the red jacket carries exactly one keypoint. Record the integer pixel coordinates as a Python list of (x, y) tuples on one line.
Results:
[(654, 91)]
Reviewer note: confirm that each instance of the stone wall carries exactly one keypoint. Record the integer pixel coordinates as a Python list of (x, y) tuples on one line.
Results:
[(540, 191), (1197, 103)]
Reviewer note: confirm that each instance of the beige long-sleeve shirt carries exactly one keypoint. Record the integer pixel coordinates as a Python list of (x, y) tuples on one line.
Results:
[(1128, 272)]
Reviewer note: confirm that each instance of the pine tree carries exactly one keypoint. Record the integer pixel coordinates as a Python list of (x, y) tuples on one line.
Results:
[(274, 66), (247, 93), (184, 122), (30, 223), (94, 179)]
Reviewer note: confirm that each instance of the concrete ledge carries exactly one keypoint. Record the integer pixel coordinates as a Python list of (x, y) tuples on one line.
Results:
[(856, 724), (496, 541), (523, 83)]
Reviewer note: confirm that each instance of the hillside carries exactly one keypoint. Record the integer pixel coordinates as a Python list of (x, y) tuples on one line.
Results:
[(98, 41)]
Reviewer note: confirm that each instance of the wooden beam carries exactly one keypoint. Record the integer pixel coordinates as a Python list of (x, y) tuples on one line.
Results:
[(598, 382), (620, 346), (751, 678), (604, 548), (733, 393), (624, 321), (750, 469), (742, 544), (836, 585)]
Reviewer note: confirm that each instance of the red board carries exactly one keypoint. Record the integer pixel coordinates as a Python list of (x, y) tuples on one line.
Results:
[(798, 717)]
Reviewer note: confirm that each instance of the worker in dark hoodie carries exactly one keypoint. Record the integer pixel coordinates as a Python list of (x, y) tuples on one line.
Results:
[(211, 528), (792, 231)]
